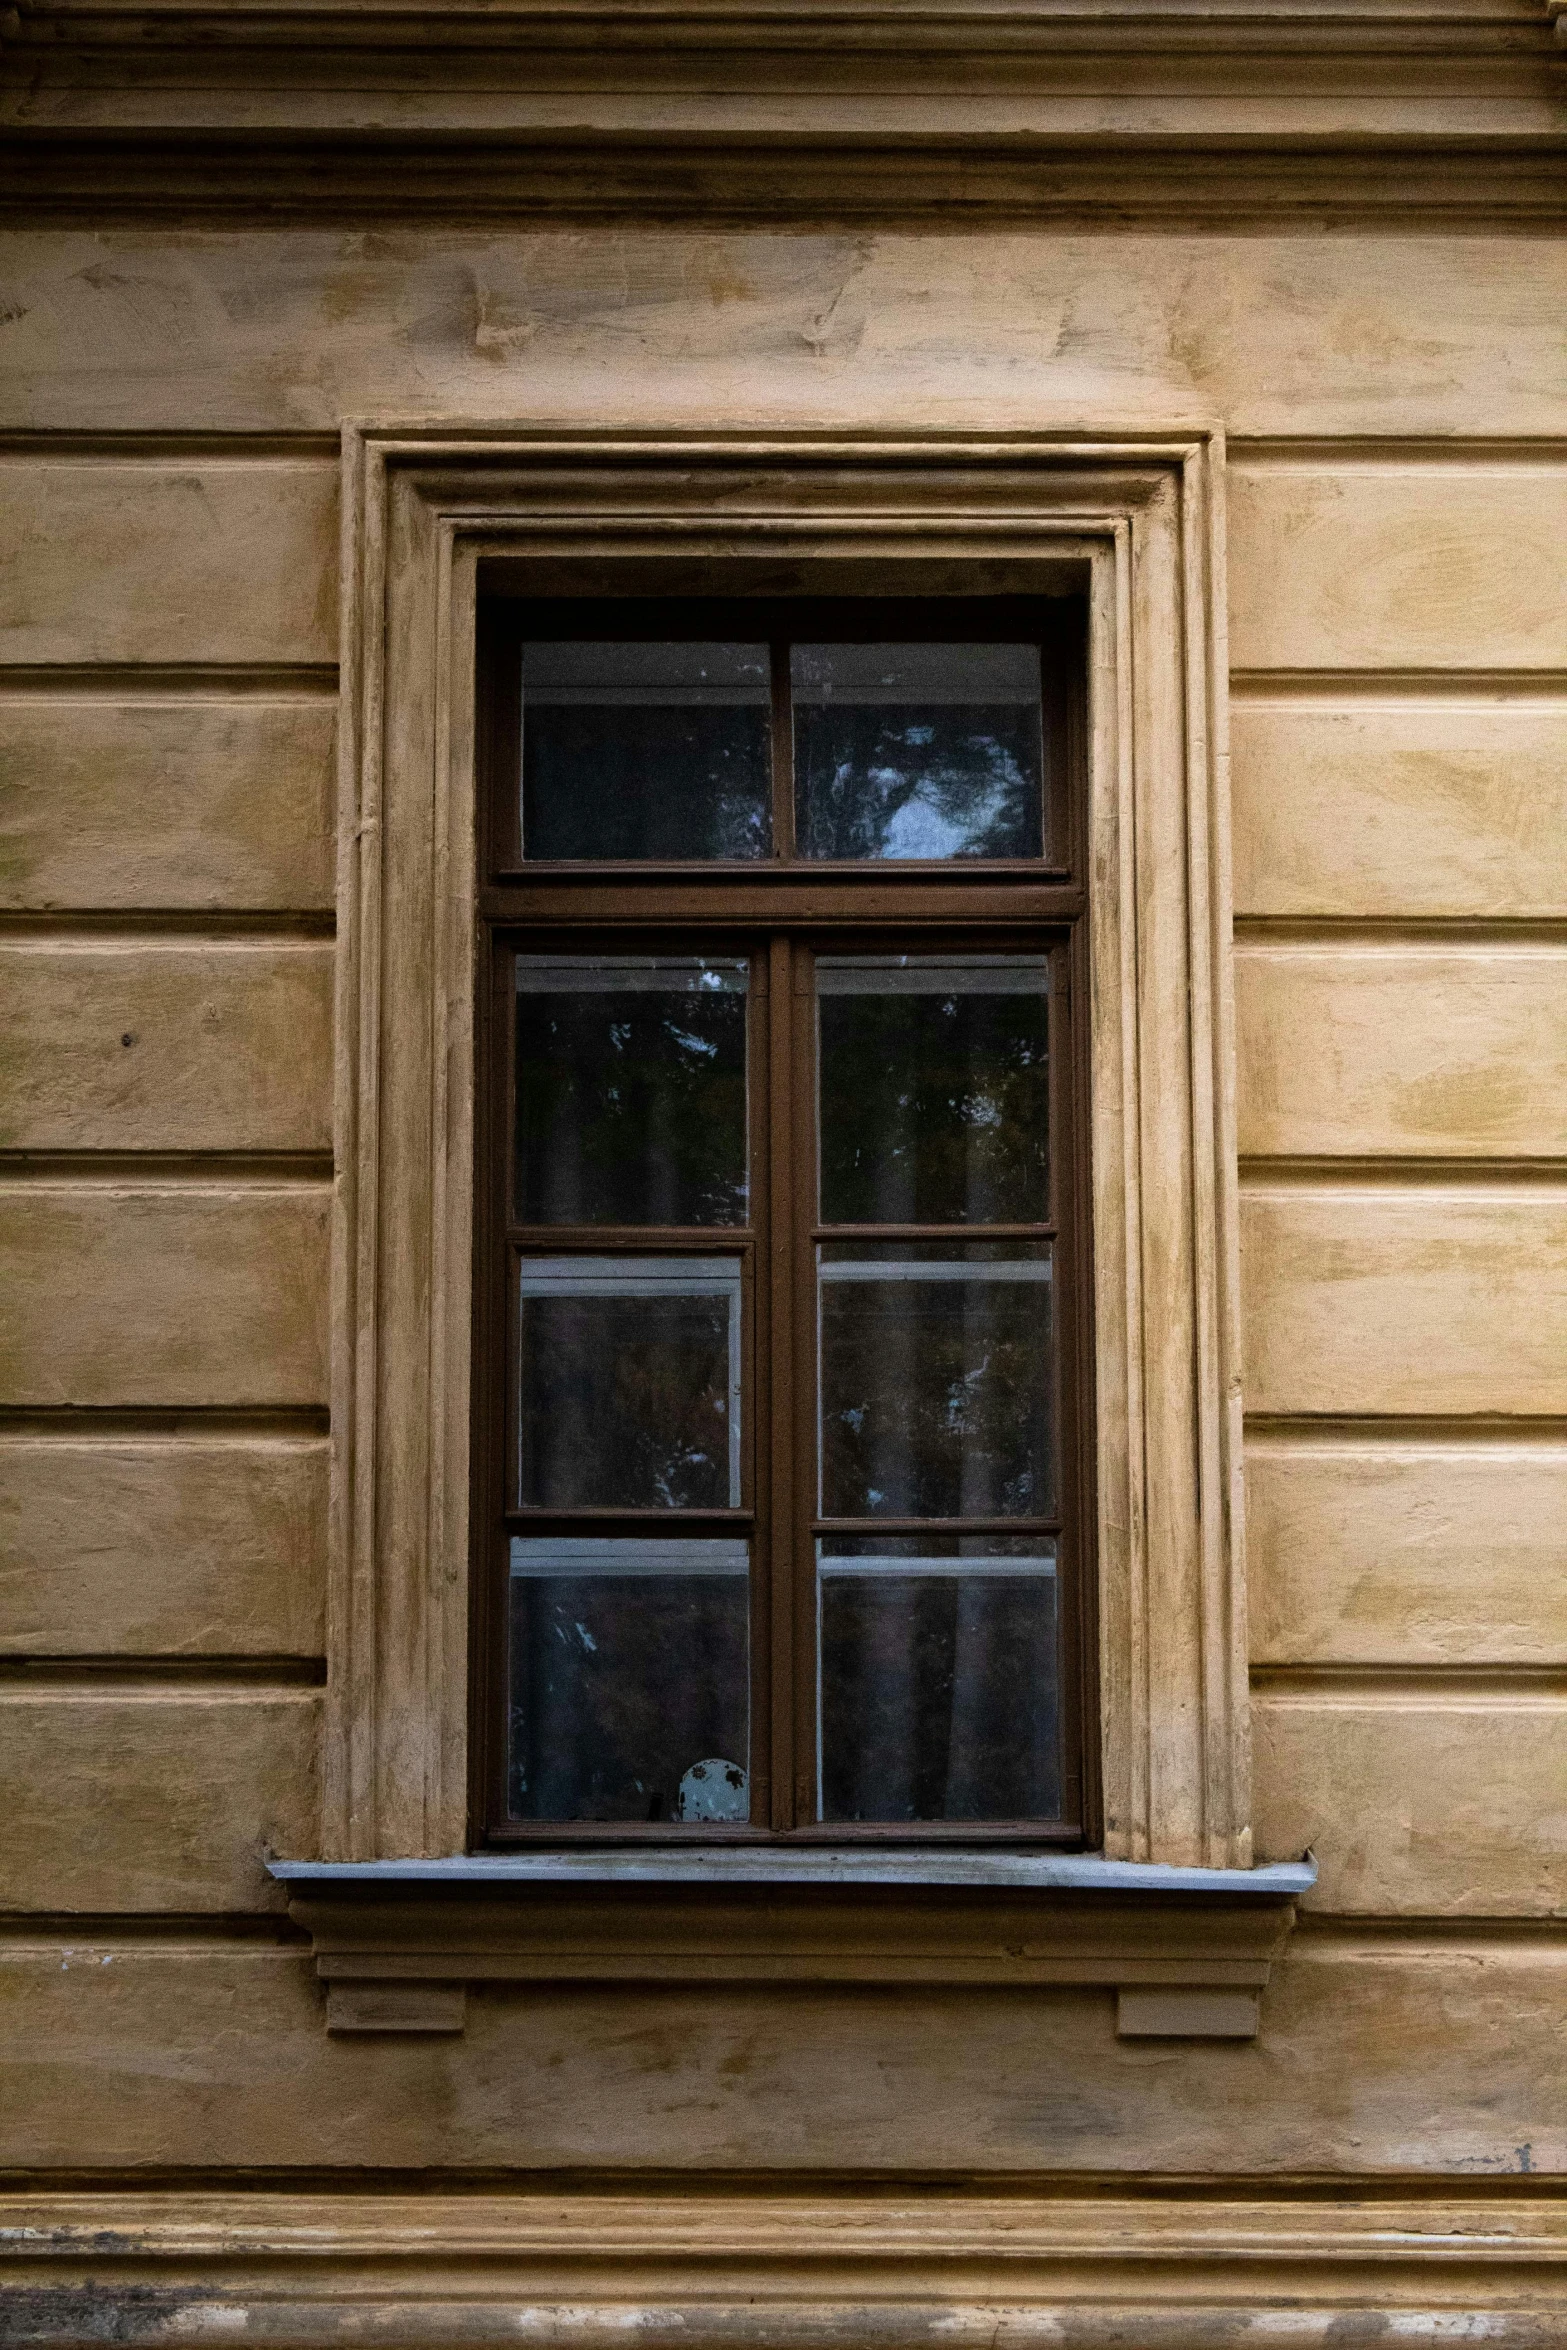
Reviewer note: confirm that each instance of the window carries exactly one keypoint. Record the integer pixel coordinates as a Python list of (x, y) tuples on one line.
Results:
[(443, 524), (782, 1390)]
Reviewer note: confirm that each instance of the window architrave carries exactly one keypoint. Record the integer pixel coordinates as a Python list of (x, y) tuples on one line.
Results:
[(1143, 513)]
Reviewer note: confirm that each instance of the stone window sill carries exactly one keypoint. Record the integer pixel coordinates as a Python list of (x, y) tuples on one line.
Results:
[(1187, 1951)]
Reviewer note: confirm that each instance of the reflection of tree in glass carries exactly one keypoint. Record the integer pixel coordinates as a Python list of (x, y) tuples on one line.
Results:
[(934, 1109), (625, 1402), (631, 1107), (923, 782), (938, 1698), (628, 782), (619, 1684), (935, 1399)]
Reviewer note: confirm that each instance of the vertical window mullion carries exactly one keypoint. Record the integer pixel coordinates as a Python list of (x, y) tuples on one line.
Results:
[(1074, 1377), (496, 1140), (806, 1375), (757, 1403), (778, 1530), (784, 847)]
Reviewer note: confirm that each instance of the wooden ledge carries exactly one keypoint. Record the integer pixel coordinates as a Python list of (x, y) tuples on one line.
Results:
[(1187, 1951)]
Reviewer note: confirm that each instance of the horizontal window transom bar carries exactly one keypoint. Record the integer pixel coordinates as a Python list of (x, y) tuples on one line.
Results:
[(954, 1231), (927, 1269), (626, 1276), (629, 975), (726, 898), (947, 1568), (944, 975), (937, 1529), (564, 1555)]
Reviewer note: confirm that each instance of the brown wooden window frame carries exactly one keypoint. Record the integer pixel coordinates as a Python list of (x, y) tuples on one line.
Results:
[(772, 911)]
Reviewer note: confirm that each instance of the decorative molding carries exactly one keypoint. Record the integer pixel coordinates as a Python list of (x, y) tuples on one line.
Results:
[(455, 26), (790, 2264), (396, 1952), (911, 110), (1187, 1952), (471, 45), (735, 177), (782, 1867), (1141, 516), (396, 2006)]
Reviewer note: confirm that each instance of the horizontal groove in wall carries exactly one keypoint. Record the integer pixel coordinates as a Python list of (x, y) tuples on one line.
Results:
[(597, 2197), (1399, 934), (1331, 1430), (1543, 1176), (1423, 1684), (142, 1423), (50, 1931), (165, 1170), (72, 445), (212, 1689), (1279, 452), (1469, 1936), (88, 929), (1547, 687), (180, 1675), (193, 681)]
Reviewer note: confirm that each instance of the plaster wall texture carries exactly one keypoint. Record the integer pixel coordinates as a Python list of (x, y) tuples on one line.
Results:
[(168, 635)]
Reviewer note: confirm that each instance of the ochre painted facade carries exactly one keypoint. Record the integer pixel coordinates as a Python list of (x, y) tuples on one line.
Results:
[(1377, 324)]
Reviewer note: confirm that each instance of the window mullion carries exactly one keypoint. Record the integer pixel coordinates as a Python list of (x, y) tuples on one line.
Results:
[(779, 1531), (783, 754)]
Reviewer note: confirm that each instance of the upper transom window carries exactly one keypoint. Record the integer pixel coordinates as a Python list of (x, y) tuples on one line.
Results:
[(906, 731)]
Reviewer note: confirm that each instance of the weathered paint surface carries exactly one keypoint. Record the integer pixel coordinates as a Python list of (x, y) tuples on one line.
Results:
[(1423, 804), (547, 2080), (164, 1294), (175, 563), (236, 1524), (1406, 1549), (168, 625), (245, 330), (1403, 1052), (174, 1047), (183, 803)]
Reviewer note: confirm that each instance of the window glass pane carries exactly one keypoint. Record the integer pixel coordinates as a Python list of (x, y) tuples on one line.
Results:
[(937, 1690), (629, 1680), (935, 1380), (629, 1383), (631, 1090), (646, 750), (918, 750), (934, 1089)]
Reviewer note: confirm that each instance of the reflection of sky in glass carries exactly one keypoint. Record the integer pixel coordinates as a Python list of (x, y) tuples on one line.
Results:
[(918, 751), (951, 811)]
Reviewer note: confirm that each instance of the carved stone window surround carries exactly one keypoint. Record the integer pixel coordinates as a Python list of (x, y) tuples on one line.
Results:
[(1143, 514)]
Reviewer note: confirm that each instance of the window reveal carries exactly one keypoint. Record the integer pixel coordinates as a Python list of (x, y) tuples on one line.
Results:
[(786, 1509)]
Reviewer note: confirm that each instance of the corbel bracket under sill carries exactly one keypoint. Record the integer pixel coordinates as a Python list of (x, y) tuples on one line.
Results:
[(1187, 1951)]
